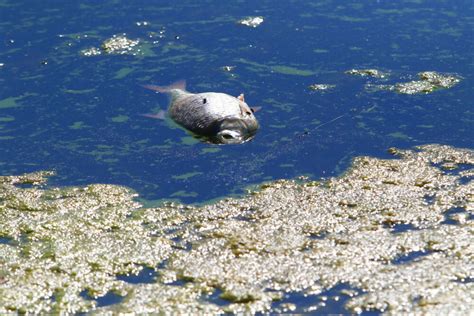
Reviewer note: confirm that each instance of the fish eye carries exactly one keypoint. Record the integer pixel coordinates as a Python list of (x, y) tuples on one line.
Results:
[(204, 101), (248, 112)]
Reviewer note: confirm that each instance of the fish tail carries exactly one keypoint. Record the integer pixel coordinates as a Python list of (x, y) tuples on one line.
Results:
[(161, 115), (178, 85)]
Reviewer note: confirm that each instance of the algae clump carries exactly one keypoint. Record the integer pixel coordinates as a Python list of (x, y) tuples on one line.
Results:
[(429, 81), (385, 228)]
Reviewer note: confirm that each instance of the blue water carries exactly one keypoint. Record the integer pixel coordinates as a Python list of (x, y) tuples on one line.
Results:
[(66, 118), (81, 116)]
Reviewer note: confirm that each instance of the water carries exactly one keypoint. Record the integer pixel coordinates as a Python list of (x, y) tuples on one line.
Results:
[(81, 116)]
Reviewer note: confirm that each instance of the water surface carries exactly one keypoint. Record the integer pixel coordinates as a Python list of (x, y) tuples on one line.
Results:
[(80, 116)]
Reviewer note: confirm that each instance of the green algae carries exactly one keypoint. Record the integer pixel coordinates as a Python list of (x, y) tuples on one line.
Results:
[(287, 107), (189, 140), (183, 193), (287, 236), (222, 19), (186, 176), (123, 72), (78, 125), (287, 70), (282, 69), (146, 50), (10, 102), (210, 150), (426, 126), (110, 160), (255, 65), (399, 135), (7, 118), (320, 51), (175, 47), (84, 91), (120, 119), (279, 126)]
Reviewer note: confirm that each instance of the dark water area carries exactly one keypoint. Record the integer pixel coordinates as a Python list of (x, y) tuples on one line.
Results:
[(81, 116)]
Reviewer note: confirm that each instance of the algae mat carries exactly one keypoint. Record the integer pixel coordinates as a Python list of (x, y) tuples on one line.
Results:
[(398, 234)]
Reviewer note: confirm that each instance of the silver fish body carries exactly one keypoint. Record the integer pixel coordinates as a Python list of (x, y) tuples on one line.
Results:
[(219, 117)]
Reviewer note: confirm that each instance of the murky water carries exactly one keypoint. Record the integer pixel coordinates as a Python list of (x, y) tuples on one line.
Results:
[(81, 115)]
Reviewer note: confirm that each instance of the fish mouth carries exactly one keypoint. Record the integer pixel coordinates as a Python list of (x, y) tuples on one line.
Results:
[(236, 131), (230, 137)]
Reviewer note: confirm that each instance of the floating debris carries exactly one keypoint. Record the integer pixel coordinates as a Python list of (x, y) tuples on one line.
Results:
[(289, 237), (367, 73), (252, 21), (2, 64), (142, 23), (228, 68), (321, 87)]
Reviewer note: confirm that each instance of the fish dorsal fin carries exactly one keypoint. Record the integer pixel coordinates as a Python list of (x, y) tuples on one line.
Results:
[(241, 97), (178, 85)]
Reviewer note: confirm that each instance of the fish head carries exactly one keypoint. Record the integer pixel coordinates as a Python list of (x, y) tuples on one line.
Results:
[(240, 128), (236, 130)]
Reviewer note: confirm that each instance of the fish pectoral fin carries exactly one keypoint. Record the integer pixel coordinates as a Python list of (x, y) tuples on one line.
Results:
[(255, 109), (161, 115), (241, 97)]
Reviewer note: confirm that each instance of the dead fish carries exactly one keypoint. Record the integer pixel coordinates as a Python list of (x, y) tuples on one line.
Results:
[(219, 117)]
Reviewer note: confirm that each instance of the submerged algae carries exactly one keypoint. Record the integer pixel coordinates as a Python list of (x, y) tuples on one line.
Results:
[(290, 236)]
